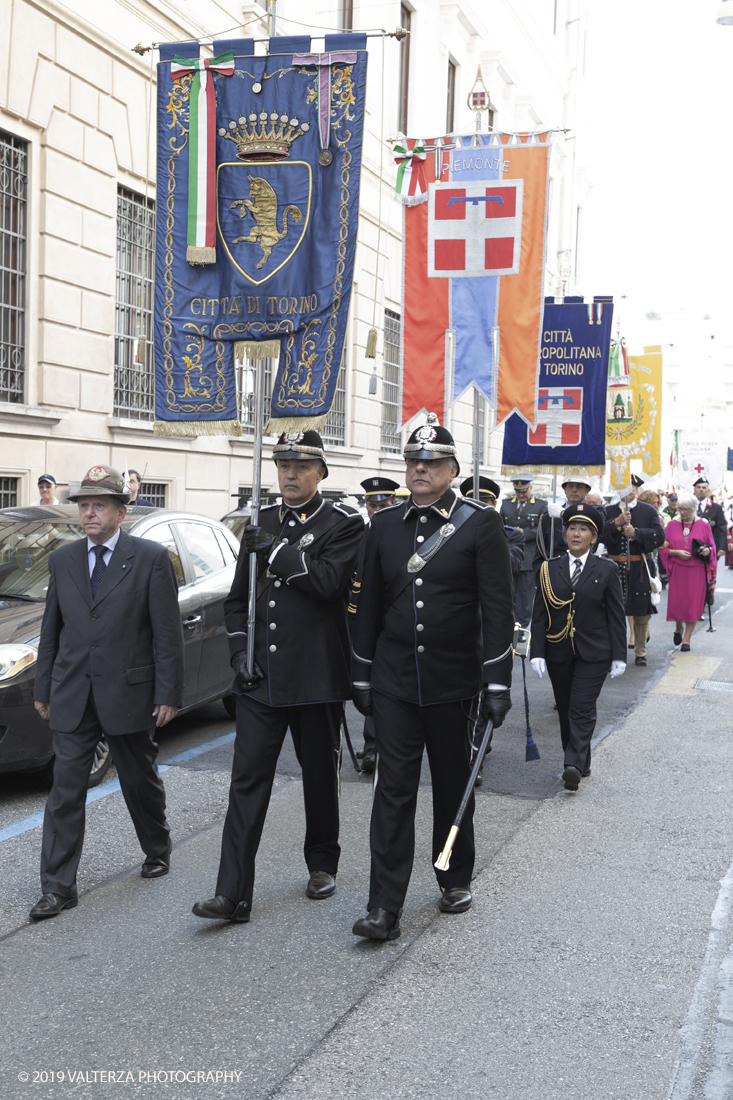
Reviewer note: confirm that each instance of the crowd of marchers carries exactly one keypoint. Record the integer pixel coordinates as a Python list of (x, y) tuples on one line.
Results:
[(413, 617)]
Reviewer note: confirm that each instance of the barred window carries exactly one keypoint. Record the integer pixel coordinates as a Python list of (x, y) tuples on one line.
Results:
[(334, 430), (246, 379), (154, 491), (8, 492), (13, 217), (134, 377), (390, 434)]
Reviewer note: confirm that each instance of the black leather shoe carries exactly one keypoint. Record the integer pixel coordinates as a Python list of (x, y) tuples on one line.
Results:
[(378, 924), (456, 900), (640, 661), (571, 778), (50, 905), (156, 868), (677, 638), (586, 773), (221, 908), (320, 885), (368, 762), (684, 648)]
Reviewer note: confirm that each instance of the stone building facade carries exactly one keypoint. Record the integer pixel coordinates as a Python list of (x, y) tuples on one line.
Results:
[(77, 207)]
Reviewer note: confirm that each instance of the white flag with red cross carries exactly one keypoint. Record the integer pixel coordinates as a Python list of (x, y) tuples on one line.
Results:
[(559, 417), (475, 229)]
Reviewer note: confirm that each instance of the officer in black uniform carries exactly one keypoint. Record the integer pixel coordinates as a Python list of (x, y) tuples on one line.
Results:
[(306, 550), (551, 532), (525, 511), (489, 493), (632, 531), (713, 513), (434, 624), (578, 634), (379, 492)]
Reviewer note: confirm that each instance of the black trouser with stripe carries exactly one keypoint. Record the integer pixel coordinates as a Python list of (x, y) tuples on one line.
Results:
[(316, 731), (63, 823), (577, 685), (403, 730)]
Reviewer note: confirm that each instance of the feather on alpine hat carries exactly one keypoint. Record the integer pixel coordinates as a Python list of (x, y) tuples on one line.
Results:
[(431, 441)]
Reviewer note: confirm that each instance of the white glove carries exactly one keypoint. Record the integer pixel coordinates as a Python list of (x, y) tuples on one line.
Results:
[(618, 668), (554, 510), (539, 666), (601, 550)]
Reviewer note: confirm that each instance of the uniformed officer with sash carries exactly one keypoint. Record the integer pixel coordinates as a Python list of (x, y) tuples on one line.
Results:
[(434, 624), (306, 550)]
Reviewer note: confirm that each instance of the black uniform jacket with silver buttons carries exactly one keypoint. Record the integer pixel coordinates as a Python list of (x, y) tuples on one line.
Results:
[(528, 521), (301, 636), (451, 628), (597, 603)]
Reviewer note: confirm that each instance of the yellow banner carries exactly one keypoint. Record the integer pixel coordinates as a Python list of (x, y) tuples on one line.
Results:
[(634, 418)]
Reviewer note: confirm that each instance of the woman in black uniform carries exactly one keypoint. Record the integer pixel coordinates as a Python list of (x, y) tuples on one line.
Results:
[(578, 634)]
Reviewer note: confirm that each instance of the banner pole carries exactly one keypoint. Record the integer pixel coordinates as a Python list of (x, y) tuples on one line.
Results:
[(271, 17), (259, 369), (476, 442)]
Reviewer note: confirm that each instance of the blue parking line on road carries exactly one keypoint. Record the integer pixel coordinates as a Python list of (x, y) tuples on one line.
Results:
[(36, 820)]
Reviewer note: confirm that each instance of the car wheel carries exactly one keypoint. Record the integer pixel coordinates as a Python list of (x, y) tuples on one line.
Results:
[(230, 705), (101, 763)]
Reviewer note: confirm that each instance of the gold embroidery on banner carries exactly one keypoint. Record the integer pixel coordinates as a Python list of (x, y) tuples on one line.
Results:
[(193, 363), (262, 204), (306, 220)]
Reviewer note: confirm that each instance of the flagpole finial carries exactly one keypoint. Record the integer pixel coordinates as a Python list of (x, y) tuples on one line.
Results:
[(478, 98)]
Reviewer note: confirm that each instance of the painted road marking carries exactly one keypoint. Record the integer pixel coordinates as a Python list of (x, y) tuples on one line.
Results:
[(36, 820)]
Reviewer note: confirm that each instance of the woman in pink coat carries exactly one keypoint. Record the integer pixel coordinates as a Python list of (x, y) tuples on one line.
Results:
[(687, 573)]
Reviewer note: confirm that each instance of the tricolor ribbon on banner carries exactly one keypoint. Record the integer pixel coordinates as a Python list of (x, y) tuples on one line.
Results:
[(201, 236), (411, 187), (323, 63)]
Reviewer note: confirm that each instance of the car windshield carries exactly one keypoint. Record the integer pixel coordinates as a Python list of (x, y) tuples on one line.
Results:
[(24, 550)]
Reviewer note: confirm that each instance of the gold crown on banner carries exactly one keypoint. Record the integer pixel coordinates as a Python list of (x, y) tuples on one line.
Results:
[(253, 138)]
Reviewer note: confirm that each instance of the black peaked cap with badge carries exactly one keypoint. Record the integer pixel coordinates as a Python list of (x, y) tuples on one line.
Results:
[(300, 446), (583, 513), (431, 441), (485, 485), (379, 488)]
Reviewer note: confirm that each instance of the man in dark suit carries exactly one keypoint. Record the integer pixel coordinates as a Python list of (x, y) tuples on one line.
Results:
[(430, 632), (110, 662), (633, 530), (306, 551), (713, 513), (489, 493), (578, 634), (550, 532), (524, 511)]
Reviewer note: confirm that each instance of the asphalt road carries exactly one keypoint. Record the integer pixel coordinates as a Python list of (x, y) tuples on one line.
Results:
[(593, 964)]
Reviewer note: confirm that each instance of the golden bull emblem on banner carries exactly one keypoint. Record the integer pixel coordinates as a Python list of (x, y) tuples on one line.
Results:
[(262, 205)]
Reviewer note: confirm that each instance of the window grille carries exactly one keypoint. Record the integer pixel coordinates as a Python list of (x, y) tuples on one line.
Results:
[(334, 430), (390, 433), (134, 396), (13, 217), (8, 492), (246, 382), (154, 491)]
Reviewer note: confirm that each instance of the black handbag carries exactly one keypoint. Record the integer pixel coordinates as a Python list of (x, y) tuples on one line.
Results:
[(697, 546)]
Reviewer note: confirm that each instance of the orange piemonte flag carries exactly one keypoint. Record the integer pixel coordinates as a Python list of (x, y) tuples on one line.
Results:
[(473, 274)]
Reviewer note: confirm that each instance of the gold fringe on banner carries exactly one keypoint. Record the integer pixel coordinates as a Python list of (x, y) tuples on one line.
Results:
[(561, 471), (282, 424), (256, 349), (190, 428), (200, 254)]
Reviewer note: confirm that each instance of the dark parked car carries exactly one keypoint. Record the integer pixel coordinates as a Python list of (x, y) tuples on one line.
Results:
[(204, 555)]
